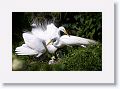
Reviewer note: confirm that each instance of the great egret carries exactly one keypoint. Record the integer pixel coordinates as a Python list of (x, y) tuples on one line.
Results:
[(57, 43), (69, 40)]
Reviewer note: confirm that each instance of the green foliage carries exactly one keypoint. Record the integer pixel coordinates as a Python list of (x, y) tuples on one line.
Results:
[(84, 59), (88, 25), (83, 24)]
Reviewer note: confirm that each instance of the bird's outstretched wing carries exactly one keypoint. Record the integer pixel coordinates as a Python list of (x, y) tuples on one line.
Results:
[(39, 32), (25, 50), (74, 40), (47, 34), (51, 31), (33, 42), (32, 46)]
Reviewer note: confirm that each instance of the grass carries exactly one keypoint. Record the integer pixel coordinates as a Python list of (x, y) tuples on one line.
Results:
[(70, 59)]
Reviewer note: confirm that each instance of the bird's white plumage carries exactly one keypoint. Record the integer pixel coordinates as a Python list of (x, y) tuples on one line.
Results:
[(25, 50), (32, 46), (33, 42), (49, 33), (38, 32), (36, 41), (51, 48), (52, 31), (72, 40)]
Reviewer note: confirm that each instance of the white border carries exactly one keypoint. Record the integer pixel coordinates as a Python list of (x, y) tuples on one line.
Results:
[(104, 76)]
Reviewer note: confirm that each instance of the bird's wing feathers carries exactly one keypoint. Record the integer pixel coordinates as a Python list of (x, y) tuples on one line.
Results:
[(34, 39), (38, 32), (74, 40), (33, 42), (32, 46), (47, 34), (51, 31), (25, 50)]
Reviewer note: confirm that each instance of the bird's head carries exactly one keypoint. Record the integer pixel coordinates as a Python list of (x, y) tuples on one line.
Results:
[(62, 29)]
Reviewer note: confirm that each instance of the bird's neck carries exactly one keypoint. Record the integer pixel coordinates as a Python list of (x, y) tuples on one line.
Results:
[(59, 33), (56, 43)]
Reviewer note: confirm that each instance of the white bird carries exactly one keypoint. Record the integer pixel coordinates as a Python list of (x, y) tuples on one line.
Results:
[(57, 43), (69, 41)]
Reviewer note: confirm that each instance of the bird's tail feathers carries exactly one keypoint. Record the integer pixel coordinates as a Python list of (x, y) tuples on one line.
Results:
[(90, 41), (85, 41), (25, 51), (80, 40), (74, 40)]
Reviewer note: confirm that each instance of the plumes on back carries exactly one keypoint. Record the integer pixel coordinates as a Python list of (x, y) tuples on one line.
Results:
[(50, 32), (74, 40)]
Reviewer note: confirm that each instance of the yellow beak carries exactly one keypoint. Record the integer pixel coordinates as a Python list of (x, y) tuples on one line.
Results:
[(66, 33), (49, 42)]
